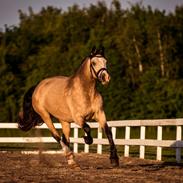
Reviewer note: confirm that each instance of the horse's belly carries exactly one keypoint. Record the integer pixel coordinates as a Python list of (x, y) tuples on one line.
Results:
[(63, 116)]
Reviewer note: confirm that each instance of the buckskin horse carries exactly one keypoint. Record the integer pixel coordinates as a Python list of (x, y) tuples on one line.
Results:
[(70, 99)]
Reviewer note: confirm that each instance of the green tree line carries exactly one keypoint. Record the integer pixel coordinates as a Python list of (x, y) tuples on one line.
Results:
[(143, 47)]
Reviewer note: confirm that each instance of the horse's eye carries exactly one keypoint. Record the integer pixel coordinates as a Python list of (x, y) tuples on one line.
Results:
[(94, 64)]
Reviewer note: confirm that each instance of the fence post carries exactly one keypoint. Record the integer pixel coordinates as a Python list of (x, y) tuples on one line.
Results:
[(99, 146), (75, 136), (127, 137), (86, 148), (178, 138), (142, 137), (159, 149), (113, 129)]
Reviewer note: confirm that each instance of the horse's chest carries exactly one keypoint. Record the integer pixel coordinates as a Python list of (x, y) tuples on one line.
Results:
[(84, 108), (83, 104), (88, 111)]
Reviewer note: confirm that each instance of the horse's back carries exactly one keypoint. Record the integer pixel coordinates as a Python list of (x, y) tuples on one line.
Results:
[(53, 85), (50, 96)]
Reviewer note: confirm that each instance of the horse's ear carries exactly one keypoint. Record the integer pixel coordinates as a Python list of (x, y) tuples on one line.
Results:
[(93, 51), (102, 51)]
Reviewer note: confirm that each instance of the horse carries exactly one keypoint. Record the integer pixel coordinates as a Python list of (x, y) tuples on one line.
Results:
[(70, 99)]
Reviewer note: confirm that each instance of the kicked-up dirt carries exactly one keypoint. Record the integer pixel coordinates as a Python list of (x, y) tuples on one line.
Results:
[(94, 168)]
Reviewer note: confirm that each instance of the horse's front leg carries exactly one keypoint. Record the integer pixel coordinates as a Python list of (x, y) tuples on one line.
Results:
[(81, 122), (88, 139), (113, 151)]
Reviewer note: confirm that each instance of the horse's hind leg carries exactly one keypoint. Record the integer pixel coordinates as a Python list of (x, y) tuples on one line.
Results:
[(46, 118), (65, 139)]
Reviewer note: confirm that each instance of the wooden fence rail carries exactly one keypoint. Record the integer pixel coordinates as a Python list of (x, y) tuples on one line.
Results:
[(159, 143)]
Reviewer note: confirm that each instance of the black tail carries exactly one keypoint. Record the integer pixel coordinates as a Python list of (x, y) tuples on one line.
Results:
[(28, 118)]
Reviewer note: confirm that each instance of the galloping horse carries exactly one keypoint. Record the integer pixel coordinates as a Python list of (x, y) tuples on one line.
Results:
[(70, 99)]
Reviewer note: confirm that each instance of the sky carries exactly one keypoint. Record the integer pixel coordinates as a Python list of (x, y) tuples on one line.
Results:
[(9, 8)]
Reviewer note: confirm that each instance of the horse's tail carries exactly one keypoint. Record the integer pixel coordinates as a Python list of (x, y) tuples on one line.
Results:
[(28, 118)]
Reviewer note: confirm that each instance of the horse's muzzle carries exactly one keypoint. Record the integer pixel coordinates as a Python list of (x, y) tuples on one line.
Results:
[(105, 77)]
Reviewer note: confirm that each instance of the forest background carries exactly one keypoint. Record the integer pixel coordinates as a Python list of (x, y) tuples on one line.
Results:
[(143, 47)]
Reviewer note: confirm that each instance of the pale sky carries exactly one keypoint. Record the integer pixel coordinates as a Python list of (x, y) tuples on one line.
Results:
[(9, 8)]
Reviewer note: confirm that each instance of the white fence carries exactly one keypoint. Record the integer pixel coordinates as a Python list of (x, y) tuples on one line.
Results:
[(159, 143)]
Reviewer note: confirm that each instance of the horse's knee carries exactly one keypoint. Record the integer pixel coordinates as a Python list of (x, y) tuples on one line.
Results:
[(86, 128), (88, 139)]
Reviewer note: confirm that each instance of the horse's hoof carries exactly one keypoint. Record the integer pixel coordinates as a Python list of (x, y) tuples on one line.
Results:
[(88, 140), (115, 162)]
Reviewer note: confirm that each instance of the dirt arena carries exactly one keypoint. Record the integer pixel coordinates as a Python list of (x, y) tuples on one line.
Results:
[(16, 167)]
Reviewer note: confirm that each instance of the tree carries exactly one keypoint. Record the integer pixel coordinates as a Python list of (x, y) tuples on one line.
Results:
[(143, 48)]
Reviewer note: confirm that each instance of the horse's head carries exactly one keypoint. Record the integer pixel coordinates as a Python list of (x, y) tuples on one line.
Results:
[(98, 65)]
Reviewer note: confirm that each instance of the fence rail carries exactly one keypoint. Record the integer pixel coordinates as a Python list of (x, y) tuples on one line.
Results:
[(159, 143)]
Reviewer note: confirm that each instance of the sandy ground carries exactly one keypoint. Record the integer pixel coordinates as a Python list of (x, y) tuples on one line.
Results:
[(17, 167)]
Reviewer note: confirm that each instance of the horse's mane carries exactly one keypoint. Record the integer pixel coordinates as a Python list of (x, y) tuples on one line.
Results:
[(78, 70)]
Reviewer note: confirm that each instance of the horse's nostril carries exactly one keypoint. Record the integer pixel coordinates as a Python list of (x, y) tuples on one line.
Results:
[(103, 76)]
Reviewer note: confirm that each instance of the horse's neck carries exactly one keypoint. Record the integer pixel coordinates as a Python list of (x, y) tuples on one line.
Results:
[(86, 81)]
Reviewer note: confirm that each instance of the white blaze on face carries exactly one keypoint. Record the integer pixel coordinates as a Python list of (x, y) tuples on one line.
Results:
[(99, 63)]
